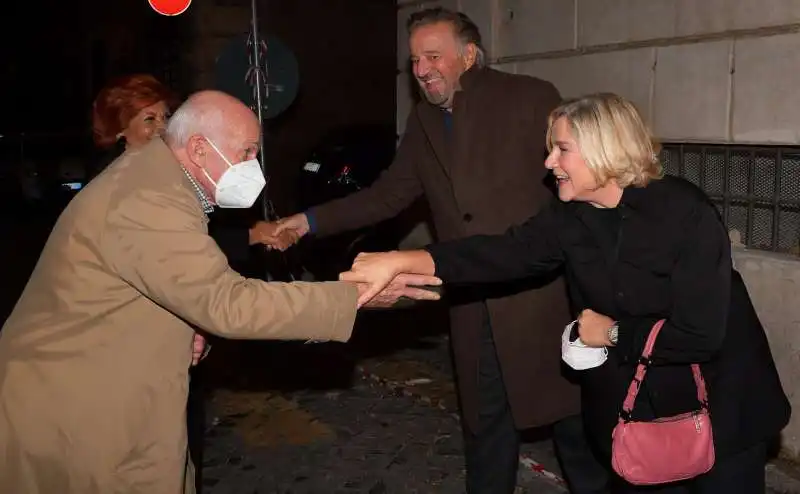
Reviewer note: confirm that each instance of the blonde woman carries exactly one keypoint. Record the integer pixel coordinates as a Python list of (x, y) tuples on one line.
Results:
[(636, 247)]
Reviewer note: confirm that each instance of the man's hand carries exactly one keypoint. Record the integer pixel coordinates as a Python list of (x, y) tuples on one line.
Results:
[(199, 349), (270, 235), (402, 285), (297, 224)]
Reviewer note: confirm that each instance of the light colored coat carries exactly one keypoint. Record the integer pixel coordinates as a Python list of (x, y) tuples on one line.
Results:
[(94, 359)]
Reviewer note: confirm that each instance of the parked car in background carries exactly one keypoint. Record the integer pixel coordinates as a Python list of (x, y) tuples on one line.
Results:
[(346, 160)]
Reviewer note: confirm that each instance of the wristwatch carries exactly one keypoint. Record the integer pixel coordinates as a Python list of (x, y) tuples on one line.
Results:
[(613, 333)]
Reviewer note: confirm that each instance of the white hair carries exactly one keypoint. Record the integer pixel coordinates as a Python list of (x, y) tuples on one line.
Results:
[(191, 118)]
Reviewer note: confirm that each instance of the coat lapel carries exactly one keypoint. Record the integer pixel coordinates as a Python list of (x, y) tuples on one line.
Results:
[(463, 136), (433, 122), (466, 126), (452, 152)]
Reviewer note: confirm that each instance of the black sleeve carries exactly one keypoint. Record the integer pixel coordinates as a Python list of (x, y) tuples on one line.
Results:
[(701, 282), (230, 229), (527, 250), (395, 189), (233, 240)]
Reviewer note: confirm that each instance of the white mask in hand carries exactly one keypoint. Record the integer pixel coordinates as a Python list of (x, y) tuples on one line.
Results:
[(240, 185), (577, 355)]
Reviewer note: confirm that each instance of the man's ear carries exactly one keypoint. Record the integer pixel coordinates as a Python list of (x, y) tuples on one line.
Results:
[(470, 55), (196, 148)]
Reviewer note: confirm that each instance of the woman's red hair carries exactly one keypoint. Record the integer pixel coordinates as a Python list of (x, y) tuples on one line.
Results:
[(121, 100)]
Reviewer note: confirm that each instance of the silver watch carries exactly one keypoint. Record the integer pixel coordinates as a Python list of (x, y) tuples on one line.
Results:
[(613, 333)]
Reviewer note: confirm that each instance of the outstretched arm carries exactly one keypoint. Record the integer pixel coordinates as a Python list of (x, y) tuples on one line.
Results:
[(394, 190), (530, 249)]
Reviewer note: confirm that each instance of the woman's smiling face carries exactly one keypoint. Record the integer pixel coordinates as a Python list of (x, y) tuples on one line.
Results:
[(575, 179)]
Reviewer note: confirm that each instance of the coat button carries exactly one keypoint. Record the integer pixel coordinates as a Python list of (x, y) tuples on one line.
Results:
[(467, 218), (620, 295)]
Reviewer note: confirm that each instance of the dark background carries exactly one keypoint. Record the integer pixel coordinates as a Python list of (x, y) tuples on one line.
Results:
[(56, 55)]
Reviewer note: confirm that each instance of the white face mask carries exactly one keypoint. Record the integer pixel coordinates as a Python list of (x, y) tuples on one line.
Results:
[(579, 356), (240, 185)]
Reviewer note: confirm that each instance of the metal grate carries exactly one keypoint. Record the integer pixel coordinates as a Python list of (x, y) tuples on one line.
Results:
[(755, 189)]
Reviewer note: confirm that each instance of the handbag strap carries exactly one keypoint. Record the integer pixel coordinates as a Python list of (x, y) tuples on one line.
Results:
[(641, 370)]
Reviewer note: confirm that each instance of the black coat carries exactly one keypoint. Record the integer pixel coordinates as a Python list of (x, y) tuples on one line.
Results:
[(665, 254), (480, 177)]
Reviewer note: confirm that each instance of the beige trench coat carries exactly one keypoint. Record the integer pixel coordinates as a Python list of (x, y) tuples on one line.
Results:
[(94, 359)]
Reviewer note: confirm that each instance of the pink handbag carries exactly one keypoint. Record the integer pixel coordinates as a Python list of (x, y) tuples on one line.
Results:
[(667, 449)]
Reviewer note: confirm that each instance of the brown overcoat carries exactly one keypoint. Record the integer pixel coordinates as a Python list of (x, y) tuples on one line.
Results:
[(94, 359), (485, 177)]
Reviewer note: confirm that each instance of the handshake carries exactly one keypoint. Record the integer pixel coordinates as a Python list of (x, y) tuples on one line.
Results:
[(383, 278), (380, 277), (281, 234)]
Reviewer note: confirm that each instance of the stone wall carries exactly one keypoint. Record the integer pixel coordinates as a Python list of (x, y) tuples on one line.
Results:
[(712, 71)]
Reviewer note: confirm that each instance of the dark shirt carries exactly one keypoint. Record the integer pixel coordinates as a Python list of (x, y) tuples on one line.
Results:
[(448, 122)]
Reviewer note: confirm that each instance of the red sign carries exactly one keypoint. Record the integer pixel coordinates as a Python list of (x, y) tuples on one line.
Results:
[(170, 7)]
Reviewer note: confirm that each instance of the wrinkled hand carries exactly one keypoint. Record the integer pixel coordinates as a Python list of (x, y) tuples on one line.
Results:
[(199, 349), (381, 280), (270, 235), (593, 328), (297, 224)]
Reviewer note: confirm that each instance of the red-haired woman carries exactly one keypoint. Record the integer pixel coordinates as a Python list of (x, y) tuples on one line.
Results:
[(128, 112), (132, 109)]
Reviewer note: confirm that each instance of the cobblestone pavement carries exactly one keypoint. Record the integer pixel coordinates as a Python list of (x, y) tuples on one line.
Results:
[(374, 416), (369, 440), (379, 418)]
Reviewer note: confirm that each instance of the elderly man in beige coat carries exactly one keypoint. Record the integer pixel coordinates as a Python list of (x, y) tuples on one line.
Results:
[(94, 358)]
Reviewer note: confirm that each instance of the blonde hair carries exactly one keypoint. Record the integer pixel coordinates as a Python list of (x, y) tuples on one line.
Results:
[(612, 138)]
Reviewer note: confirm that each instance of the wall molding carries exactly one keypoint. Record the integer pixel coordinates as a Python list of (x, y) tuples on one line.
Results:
[(759, 32)]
